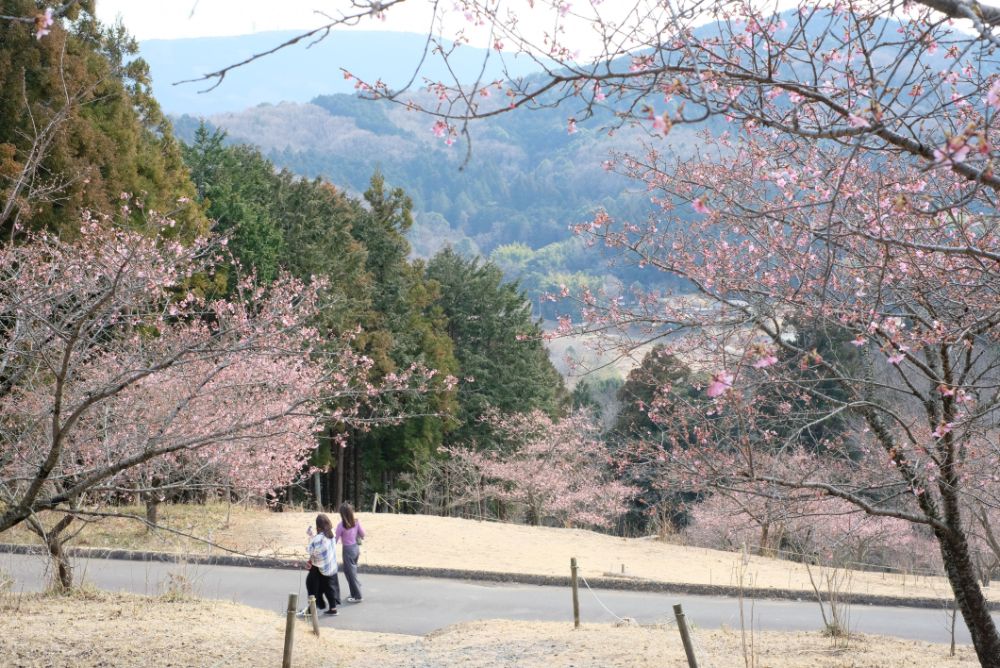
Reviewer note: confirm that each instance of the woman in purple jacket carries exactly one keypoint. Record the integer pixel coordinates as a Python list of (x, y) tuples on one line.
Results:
[(349, 533)]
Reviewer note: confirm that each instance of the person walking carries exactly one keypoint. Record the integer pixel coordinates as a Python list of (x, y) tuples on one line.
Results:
[(322, 566), (350, 533)]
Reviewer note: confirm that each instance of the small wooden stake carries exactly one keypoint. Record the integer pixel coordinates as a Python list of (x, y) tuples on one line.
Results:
[(576, 593), (293, 600), (313, 614), (685, 637)]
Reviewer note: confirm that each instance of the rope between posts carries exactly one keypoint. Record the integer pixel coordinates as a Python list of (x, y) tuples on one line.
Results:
[(599, 601), (606, 608)]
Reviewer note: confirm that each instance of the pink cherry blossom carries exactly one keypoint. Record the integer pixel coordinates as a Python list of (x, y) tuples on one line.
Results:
[(765, 361), (942, 429), (661, 124), (43, 22), (955, 150), (993, 95), (857, 121), (721, 383)]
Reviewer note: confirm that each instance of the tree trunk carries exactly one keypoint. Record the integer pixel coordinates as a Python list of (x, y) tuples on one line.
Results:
[(961, 573), (60, 560), (63, 570), (340, 476), (152, 511), (318, 492), (765, 530), (356, 474)]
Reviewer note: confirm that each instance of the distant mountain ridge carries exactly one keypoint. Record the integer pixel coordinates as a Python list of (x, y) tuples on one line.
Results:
[(297, 73)]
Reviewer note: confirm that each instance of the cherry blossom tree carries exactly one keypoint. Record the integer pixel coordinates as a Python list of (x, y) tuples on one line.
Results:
[(826, 530), (554, 469), (895, 258), (119, 378)]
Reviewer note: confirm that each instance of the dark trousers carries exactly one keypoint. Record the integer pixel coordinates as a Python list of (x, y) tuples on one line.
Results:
[(326, 588)]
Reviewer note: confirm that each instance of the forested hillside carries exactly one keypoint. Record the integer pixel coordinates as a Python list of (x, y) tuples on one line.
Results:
[(513, 199)]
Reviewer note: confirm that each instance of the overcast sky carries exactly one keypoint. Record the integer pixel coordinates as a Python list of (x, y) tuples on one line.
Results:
[(207, 18), (167, 19)]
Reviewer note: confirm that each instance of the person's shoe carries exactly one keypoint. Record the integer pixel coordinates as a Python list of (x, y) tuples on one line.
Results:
[(351, 599), (332, 612), (303, 612)]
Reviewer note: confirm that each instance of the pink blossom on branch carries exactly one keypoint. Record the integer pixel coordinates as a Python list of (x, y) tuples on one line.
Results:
[(993, 95), (721, 383), (43, 22)]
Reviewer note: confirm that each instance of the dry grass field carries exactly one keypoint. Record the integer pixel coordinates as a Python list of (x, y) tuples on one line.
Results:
[(94, 629)]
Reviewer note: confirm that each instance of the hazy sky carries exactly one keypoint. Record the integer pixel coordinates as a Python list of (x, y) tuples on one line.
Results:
[(203, 18)]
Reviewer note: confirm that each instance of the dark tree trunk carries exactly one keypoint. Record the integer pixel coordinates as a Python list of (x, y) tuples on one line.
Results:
[(975, 610), (356, 475), (340, 476)]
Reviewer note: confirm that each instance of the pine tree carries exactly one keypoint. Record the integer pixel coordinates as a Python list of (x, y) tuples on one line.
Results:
[(498, 345)]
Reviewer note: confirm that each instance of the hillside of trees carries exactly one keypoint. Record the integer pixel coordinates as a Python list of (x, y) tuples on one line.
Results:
[(512, 200)]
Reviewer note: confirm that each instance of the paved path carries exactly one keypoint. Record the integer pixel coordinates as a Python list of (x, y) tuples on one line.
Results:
[(417, 605)]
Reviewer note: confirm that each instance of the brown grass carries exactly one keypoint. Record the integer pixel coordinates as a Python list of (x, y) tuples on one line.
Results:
[(128, 631)]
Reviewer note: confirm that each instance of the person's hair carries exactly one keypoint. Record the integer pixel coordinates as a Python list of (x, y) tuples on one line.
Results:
[(324, 525), (347, 515)]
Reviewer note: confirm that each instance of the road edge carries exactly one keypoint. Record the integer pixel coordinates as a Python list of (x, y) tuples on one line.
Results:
[(623, 584)]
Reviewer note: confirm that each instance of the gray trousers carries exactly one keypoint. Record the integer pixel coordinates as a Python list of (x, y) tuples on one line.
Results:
[(351, 553)]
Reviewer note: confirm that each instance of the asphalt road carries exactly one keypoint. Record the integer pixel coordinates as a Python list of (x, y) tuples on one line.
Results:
[(417, 605)]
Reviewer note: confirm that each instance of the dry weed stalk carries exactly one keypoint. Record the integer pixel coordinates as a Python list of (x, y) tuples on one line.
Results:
[(834, 581), (744, 580)]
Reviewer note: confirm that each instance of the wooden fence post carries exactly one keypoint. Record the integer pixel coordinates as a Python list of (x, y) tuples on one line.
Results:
[(313, 614), (685, 636), (576, 593), (293, 600)]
